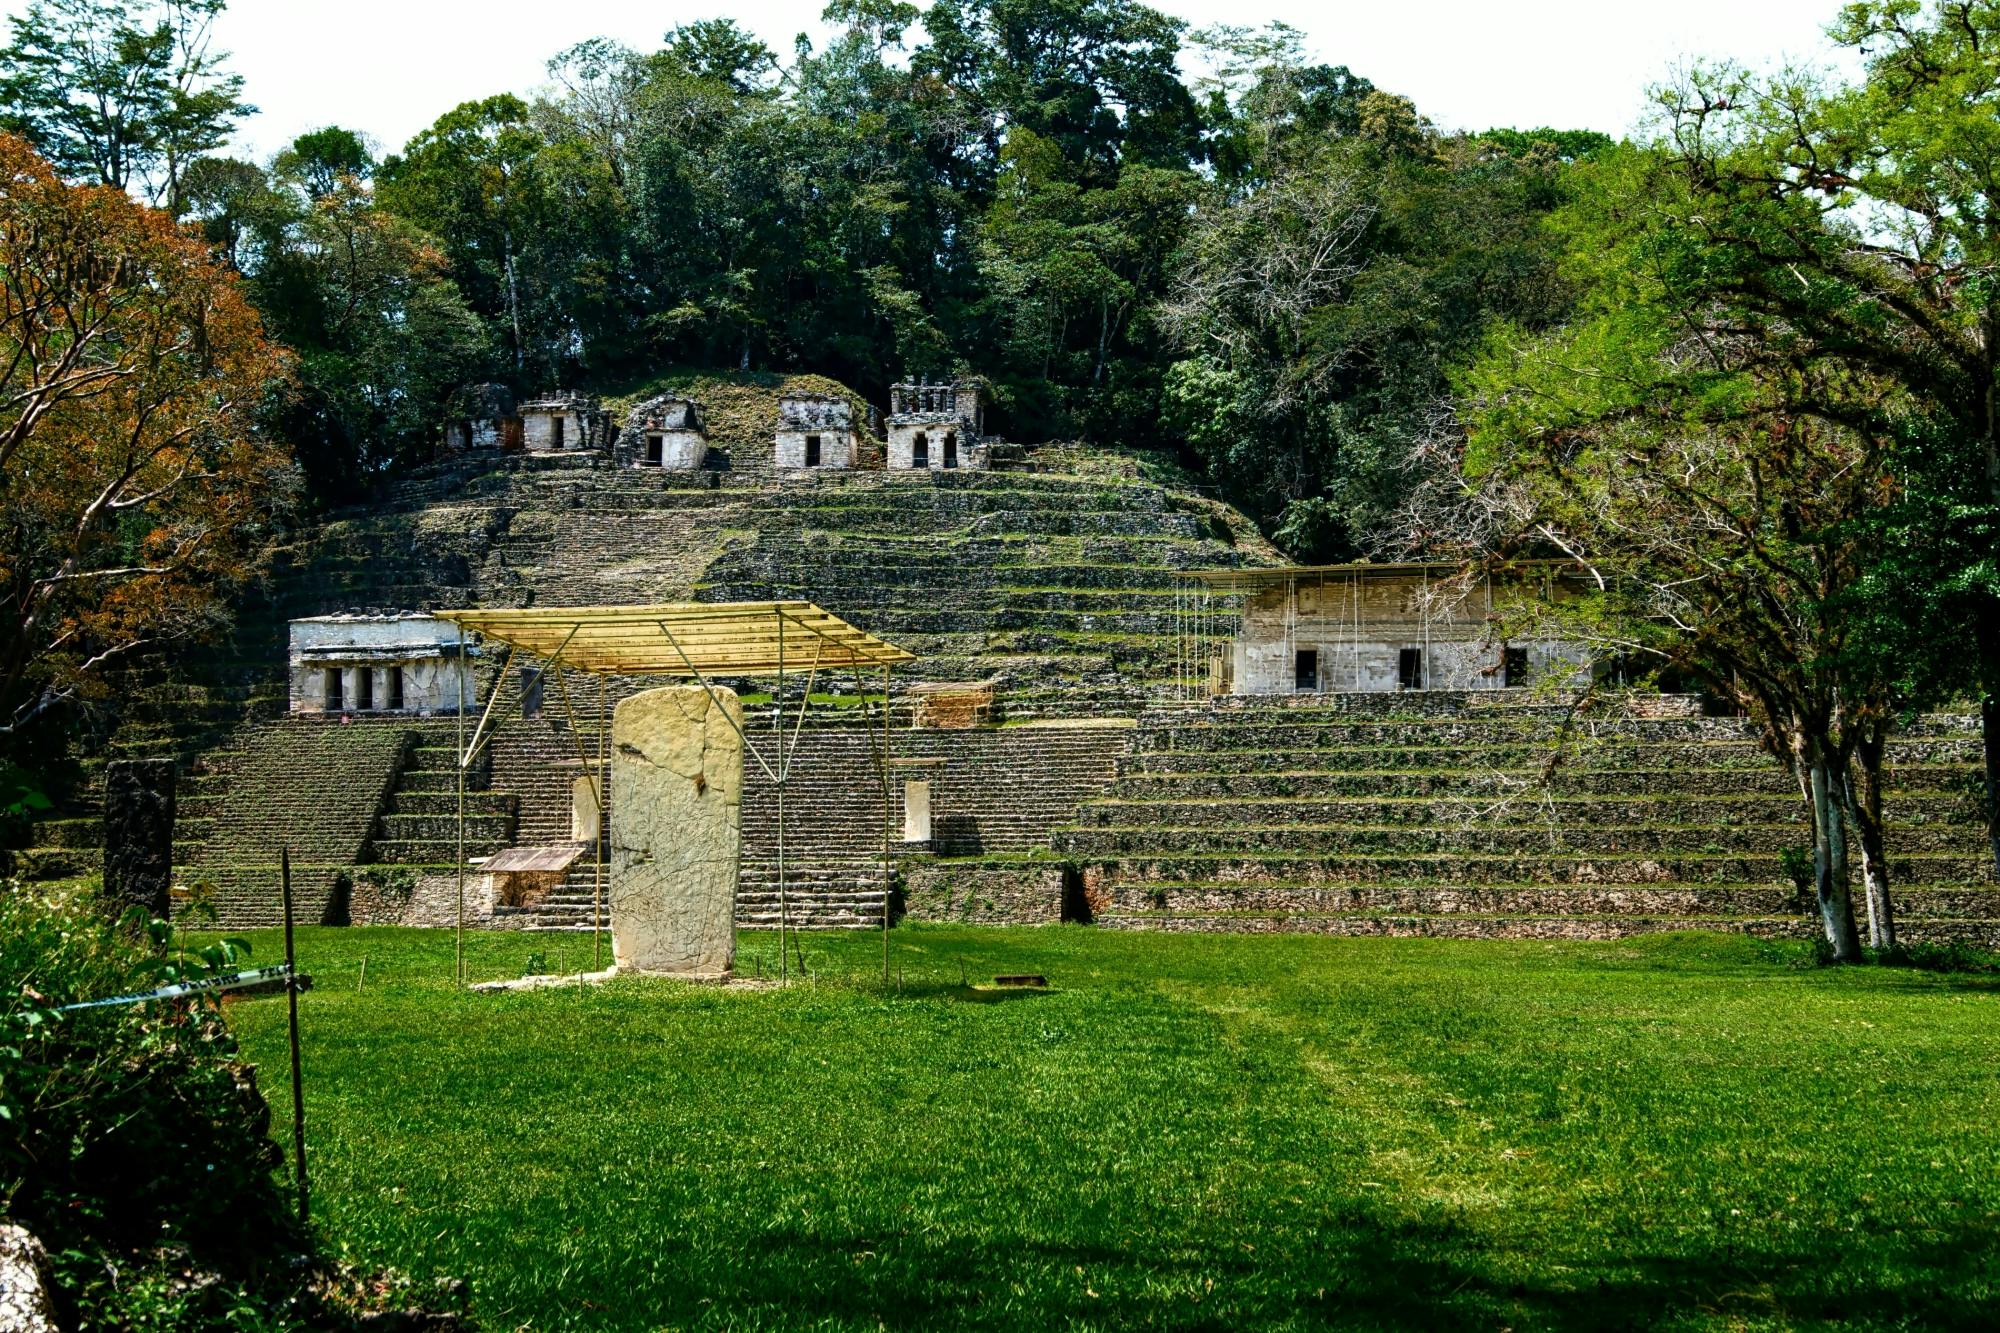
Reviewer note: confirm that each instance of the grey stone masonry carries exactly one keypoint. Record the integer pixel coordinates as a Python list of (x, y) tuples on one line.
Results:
[(937, 427), (816, 431), (564, 423), (486, 421), (667, 432), (139, 834)]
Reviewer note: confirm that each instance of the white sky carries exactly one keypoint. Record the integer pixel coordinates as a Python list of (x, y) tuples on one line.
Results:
[(390, 67)]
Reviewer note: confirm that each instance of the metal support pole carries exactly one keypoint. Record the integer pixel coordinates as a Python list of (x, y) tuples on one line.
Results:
[(603, 785), (458, 938), (292, 1000), (778, 727), (887, 828)]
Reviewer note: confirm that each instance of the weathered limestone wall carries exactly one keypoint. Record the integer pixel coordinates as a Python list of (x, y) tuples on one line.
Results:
[(680, 450), (1360, 627), (676, 830), (837, 449), (538, 430), (1028, 893), (967, 452), (423, 647)]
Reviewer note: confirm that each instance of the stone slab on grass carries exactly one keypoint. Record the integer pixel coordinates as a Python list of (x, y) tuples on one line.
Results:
[(676, 830)]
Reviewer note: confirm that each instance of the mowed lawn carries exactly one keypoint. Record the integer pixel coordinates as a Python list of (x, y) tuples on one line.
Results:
[(1185, 1132)]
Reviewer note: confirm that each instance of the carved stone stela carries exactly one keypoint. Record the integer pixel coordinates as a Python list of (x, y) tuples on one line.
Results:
[(676, 830)]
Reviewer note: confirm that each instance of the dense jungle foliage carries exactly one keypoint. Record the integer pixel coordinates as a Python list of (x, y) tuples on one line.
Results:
[(1272, 263)]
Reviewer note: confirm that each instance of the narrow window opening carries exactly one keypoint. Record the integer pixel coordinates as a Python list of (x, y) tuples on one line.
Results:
[(364, 688), (334, 698), (812, 451), (1515, 667), (531, 692), (1305, 669), (556, 433), (920, 451), (396, 688), (656, 451), (951, 448), (1410, 669)]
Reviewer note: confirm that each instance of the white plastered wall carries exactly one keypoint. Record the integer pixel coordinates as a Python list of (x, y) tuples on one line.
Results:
[(1359, 629), (836, 449)]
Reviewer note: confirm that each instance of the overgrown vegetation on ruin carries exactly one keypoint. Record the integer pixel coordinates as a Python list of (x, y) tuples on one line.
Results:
[(1188, 1132)]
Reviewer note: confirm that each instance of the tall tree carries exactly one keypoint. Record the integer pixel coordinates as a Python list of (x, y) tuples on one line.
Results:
[(1730, 533), (1098, 77), (134, 486), (1858, 224), (382, 335), (125, 93), (465, 180), (1330, 286)]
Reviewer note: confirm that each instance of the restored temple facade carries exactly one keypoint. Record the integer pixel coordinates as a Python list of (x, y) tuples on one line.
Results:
[(816, 431), (562, 422), (1368, 628), (668, 432), (401, 662), (936, 427)]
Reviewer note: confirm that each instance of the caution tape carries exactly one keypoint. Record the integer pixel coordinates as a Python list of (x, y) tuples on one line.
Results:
[(229, 981)]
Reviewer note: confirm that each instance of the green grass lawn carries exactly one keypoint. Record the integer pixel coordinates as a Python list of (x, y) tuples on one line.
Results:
[(1186, 1132)]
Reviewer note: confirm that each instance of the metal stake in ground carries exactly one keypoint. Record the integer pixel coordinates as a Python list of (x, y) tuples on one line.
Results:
[(292, 1001)]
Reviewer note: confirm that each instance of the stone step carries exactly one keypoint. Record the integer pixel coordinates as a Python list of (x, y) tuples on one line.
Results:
[(1521, 840), (1505, 757), (1767, 900), (1504, 809), (1478, 868), (1924, 781), (1983, 933)]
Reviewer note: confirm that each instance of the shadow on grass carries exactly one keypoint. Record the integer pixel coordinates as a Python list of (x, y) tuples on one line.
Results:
[(1361, 1274)]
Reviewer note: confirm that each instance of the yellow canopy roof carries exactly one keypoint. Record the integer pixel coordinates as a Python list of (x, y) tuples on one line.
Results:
[(683, 638)]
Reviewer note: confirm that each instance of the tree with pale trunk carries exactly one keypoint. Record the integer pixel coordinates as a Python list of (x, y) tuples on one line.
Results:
[(1853, 226)]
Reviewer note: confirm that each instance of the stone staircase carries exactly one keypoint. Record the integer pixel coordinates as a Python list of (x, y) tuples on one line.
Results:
[(1480, 815), (311, 785), (418, 825)]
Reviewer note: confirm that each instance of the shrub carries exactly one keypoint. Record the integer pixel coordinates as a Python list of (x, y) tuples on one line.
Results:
[(133, 1141)]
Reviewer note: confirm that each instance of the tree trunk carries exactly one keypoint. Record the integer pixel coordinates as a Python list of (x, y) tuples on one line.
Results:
[(513, 298), (1988, 634), (1830, 881), (1864, 807)]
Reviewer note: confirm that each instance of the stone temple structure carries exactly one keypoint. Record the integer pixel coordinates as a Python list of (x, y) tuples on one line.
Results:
[(489, 421), (1367, 629), (816, 431), (667, 432), (937, 427), (563, 422), (1367, 749), (400, 662)]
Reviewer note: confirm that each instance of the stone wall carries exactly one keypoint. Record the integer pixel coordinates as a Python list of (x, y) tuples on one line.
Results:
[(1026, 893), (315, 786), (948, 446), (1360, 627), (838, 449)]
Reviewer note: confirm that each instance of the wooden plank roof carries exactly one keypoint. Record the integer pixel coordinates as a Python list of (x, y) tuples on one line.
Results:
[(550, 860), (684, 639), (1255, 577)]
